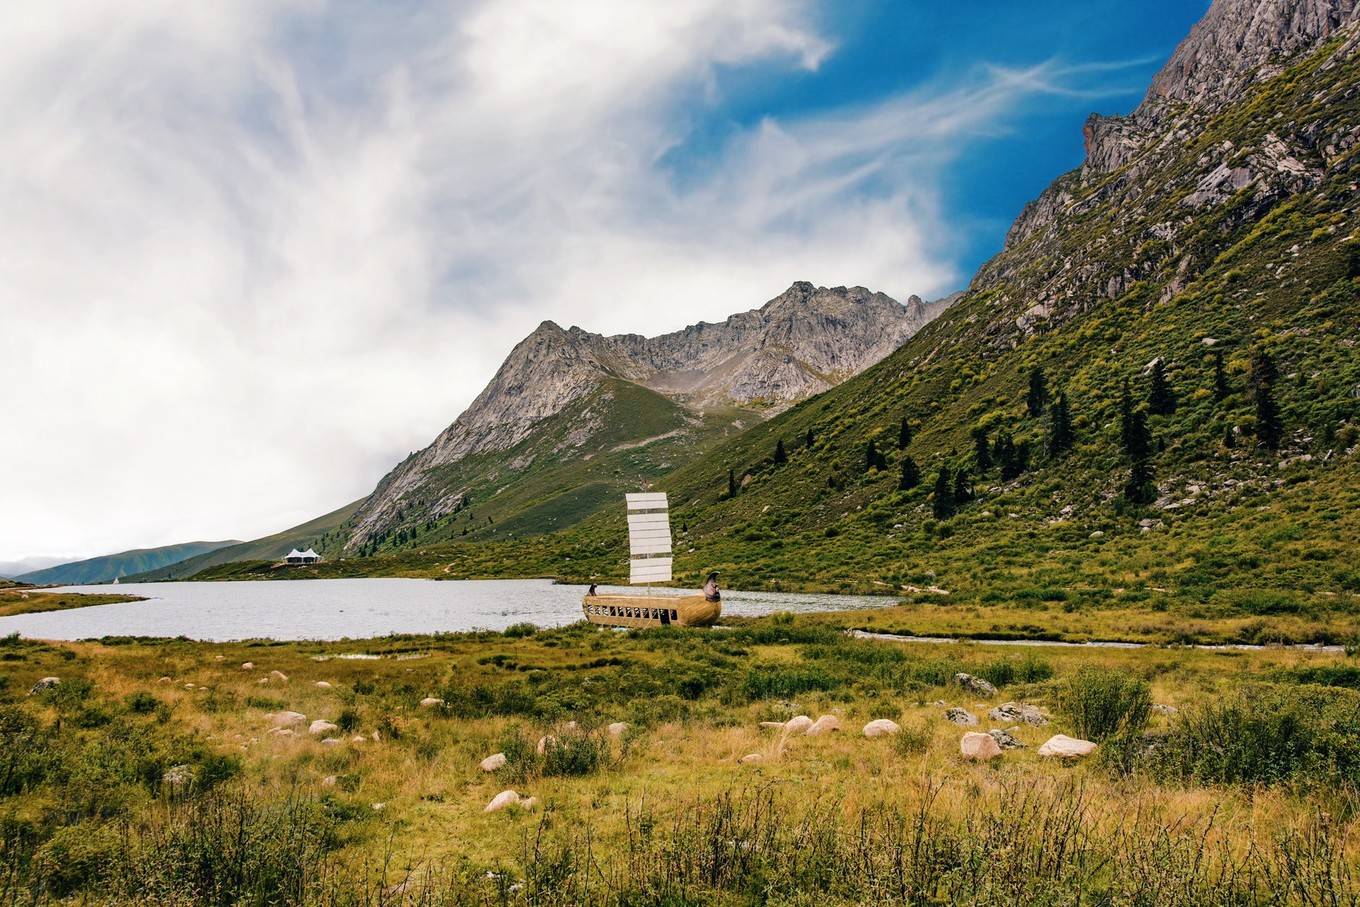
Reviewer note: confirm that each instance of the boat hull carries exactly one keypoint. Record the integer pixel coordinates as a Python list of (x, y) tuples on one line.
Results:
[(651, 610)]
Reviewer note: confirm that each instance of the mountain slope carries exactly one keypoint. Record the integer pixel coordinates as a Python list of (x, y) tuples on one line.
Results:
[(566, 397), (311, 534), (109, 567)]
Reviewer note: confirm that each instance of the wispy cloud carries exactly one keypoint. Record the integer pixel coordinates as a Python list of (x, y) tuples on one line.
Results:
[(252, 251)]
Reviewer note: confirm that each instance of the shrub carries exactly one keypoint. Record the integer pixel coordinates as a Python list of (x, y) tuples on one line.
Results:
[(519, 631), (75, 857), (912, 740), (25, 758), (768, 682), (347, 720), (142, 703), (1329, 675), (1006, 671), (575, 753), (1102, 702)]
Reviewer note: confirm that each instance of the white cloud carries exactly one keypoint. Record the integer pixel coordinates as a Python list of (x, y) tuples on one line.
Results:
[(251, 252)]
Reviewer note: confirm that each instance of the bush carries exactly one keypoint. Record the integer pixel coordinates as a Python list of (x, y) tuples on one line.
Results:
[(1006, 671), (142, 703), (769, 682), (519, 631), (1266, 734), (1102, 702), (25, 758), (575, 754), (75, 857), (1330, 675)]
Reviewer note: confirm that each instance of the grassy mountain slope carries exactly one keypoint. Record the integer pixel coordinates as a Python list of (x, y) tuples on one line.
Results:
[(1133, 263), (270, 548), (109, 567)]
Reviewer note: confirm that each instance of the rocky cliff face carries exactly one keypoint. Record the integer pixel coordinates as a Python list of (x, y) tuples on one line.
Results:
[(800, 343), (1173, 207)]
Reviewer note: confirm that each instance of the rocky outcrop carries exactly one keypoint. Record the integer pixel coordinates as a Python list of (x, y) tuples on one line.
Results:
[(802, 342)]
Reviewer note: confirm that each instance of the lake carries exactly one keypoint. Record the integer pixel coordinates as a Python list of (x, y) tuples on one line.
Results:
[(357, 608)]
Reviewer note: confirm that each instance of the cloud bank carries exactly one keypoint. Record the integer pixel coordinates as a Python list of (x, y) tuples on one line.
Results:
[(251, 253)]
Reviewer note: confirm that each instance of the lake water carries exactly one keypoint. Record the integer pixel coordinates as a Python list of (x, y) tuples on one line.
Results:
[(357, 608)]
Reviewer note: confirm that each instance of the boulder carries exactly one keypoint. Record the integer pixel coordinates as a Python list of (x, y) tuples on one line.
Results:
[(825, 724), (329, 781), (47, 683), (1061, 746), (430, 702), (279, 676), (617, 728), (219, 658), (799, 724), (882, 727), (502, 800), (772, 724), (321, 726), (248, 666), (544, 742), (492, 762), (957, 715), (287, 719), (1018, 713), (527, 802), (358, 738), (165, 680), (332, 741), (751, 758), (281, 732), (979, 747), (1005, 739), (975, 685), (1161, 709), (322, 685)]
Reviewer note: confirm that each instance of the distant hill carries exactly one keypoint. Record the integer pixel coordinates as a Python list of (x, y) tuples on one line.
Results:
[(11, 569), (312, 534), (109, 567)]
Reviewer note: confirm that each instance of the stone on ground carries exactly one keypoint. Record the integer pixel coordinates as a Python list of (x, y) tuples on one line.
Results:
[(1005, 739), (957, 715), (248, 666), (882, 727), (751, 758), (825, 724), (322, 685), (799, 724), (617, 728), (322, 726), (1162, 709), (287, 719), (430, 702), (332, 741), (329, 781), (279, 676), (1062, 746), (165, 680), (1018, 713), (544, 742), (975, 685), (772, 724), (46, 683), (502, 800), (492, 762), (979, 747)]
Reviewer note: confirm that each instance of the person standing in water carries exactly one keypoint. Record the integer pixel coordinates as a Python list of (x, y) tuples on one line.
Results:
[(711, 592)]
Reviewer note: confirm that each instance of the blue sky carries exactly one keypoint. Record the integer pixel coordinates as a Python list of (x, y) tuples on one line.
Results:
[(214, 211)]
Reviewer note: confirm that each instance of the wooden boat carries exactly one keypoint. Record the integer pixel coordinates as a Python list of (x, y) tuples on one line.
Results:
[(649, 549)]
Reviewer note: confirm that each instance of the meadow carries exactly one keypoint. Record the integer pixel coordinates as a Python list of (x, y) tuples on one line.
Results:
[(165, 772)]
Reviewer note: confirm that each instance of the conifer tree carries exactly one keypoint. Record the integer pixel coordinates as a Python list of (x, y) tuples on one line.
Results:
[(1060, 434), (1140, 488), (982, 451), (809, 441), (873, 459), (780, 457), (942, 502), (731, 483), (1161, 398), (963, 489), (1229, 438), (1125, 413), (1036, 398), (904, 434), (1269, 426), (911, 475), (1221, 387)]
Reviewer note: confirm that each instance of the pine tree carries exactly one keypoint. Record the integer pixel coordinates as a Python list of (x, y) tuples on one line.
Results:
[(1229, 438), (731, 483), (1037, 396), (873, 459), (780, 457), (1125, 413), (1269, 426), (1060, 435), (911, 475), (809, 441), (904, 434), (942, 503), (982, 451), (1161, 398), (1140, 488), (1221, 387), (963, 489)]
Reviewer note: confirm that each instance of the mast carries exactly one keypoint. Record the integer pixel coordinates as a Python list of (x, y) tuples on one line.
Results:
[(649, 539)]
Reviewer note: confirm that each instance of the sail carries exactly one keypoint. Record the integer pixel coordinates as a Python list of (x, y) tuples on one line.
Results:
[(649, 538)]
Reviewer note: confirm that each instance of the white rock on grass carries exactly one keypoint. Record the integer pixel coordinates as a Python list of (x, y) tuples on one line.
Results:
[(279, 676), (287, 719), (165, 680), (617, 728), (799, 724), (322, 726), (1162, 709), (219, 658), (1018, 713), (1062, 746), (544, 742), (329, 781), (960, 716), (975, 685), (47, 683), (332, 741), (751, 759), (979, 747), (1005, 739), (825, 724), (430, 702), (322, 685), (882, 727), (772, 724), (492, 762), (248, 666), (504, 799)]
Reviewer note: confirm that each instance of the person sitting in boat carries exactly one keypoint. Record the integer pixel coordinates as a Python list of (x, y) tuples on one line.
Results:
[(592, 589), (711, 592)]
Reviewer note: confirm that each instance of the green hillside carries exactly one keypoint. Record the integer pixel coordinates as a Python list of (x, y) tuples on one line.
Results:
[(270, 548), (108, 567)]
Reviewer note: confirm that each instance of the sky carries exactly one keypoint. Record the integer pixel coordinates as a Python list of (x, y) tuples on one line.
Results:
[(253, 253)]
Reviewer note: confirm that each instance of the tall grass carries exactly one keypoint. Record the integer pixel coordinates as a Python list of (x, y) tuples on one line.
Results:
[(1102, 702)]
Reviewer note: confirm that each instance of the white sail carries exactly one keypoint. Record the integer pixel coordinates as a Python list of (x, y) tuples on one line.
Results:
[(649, 538)]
